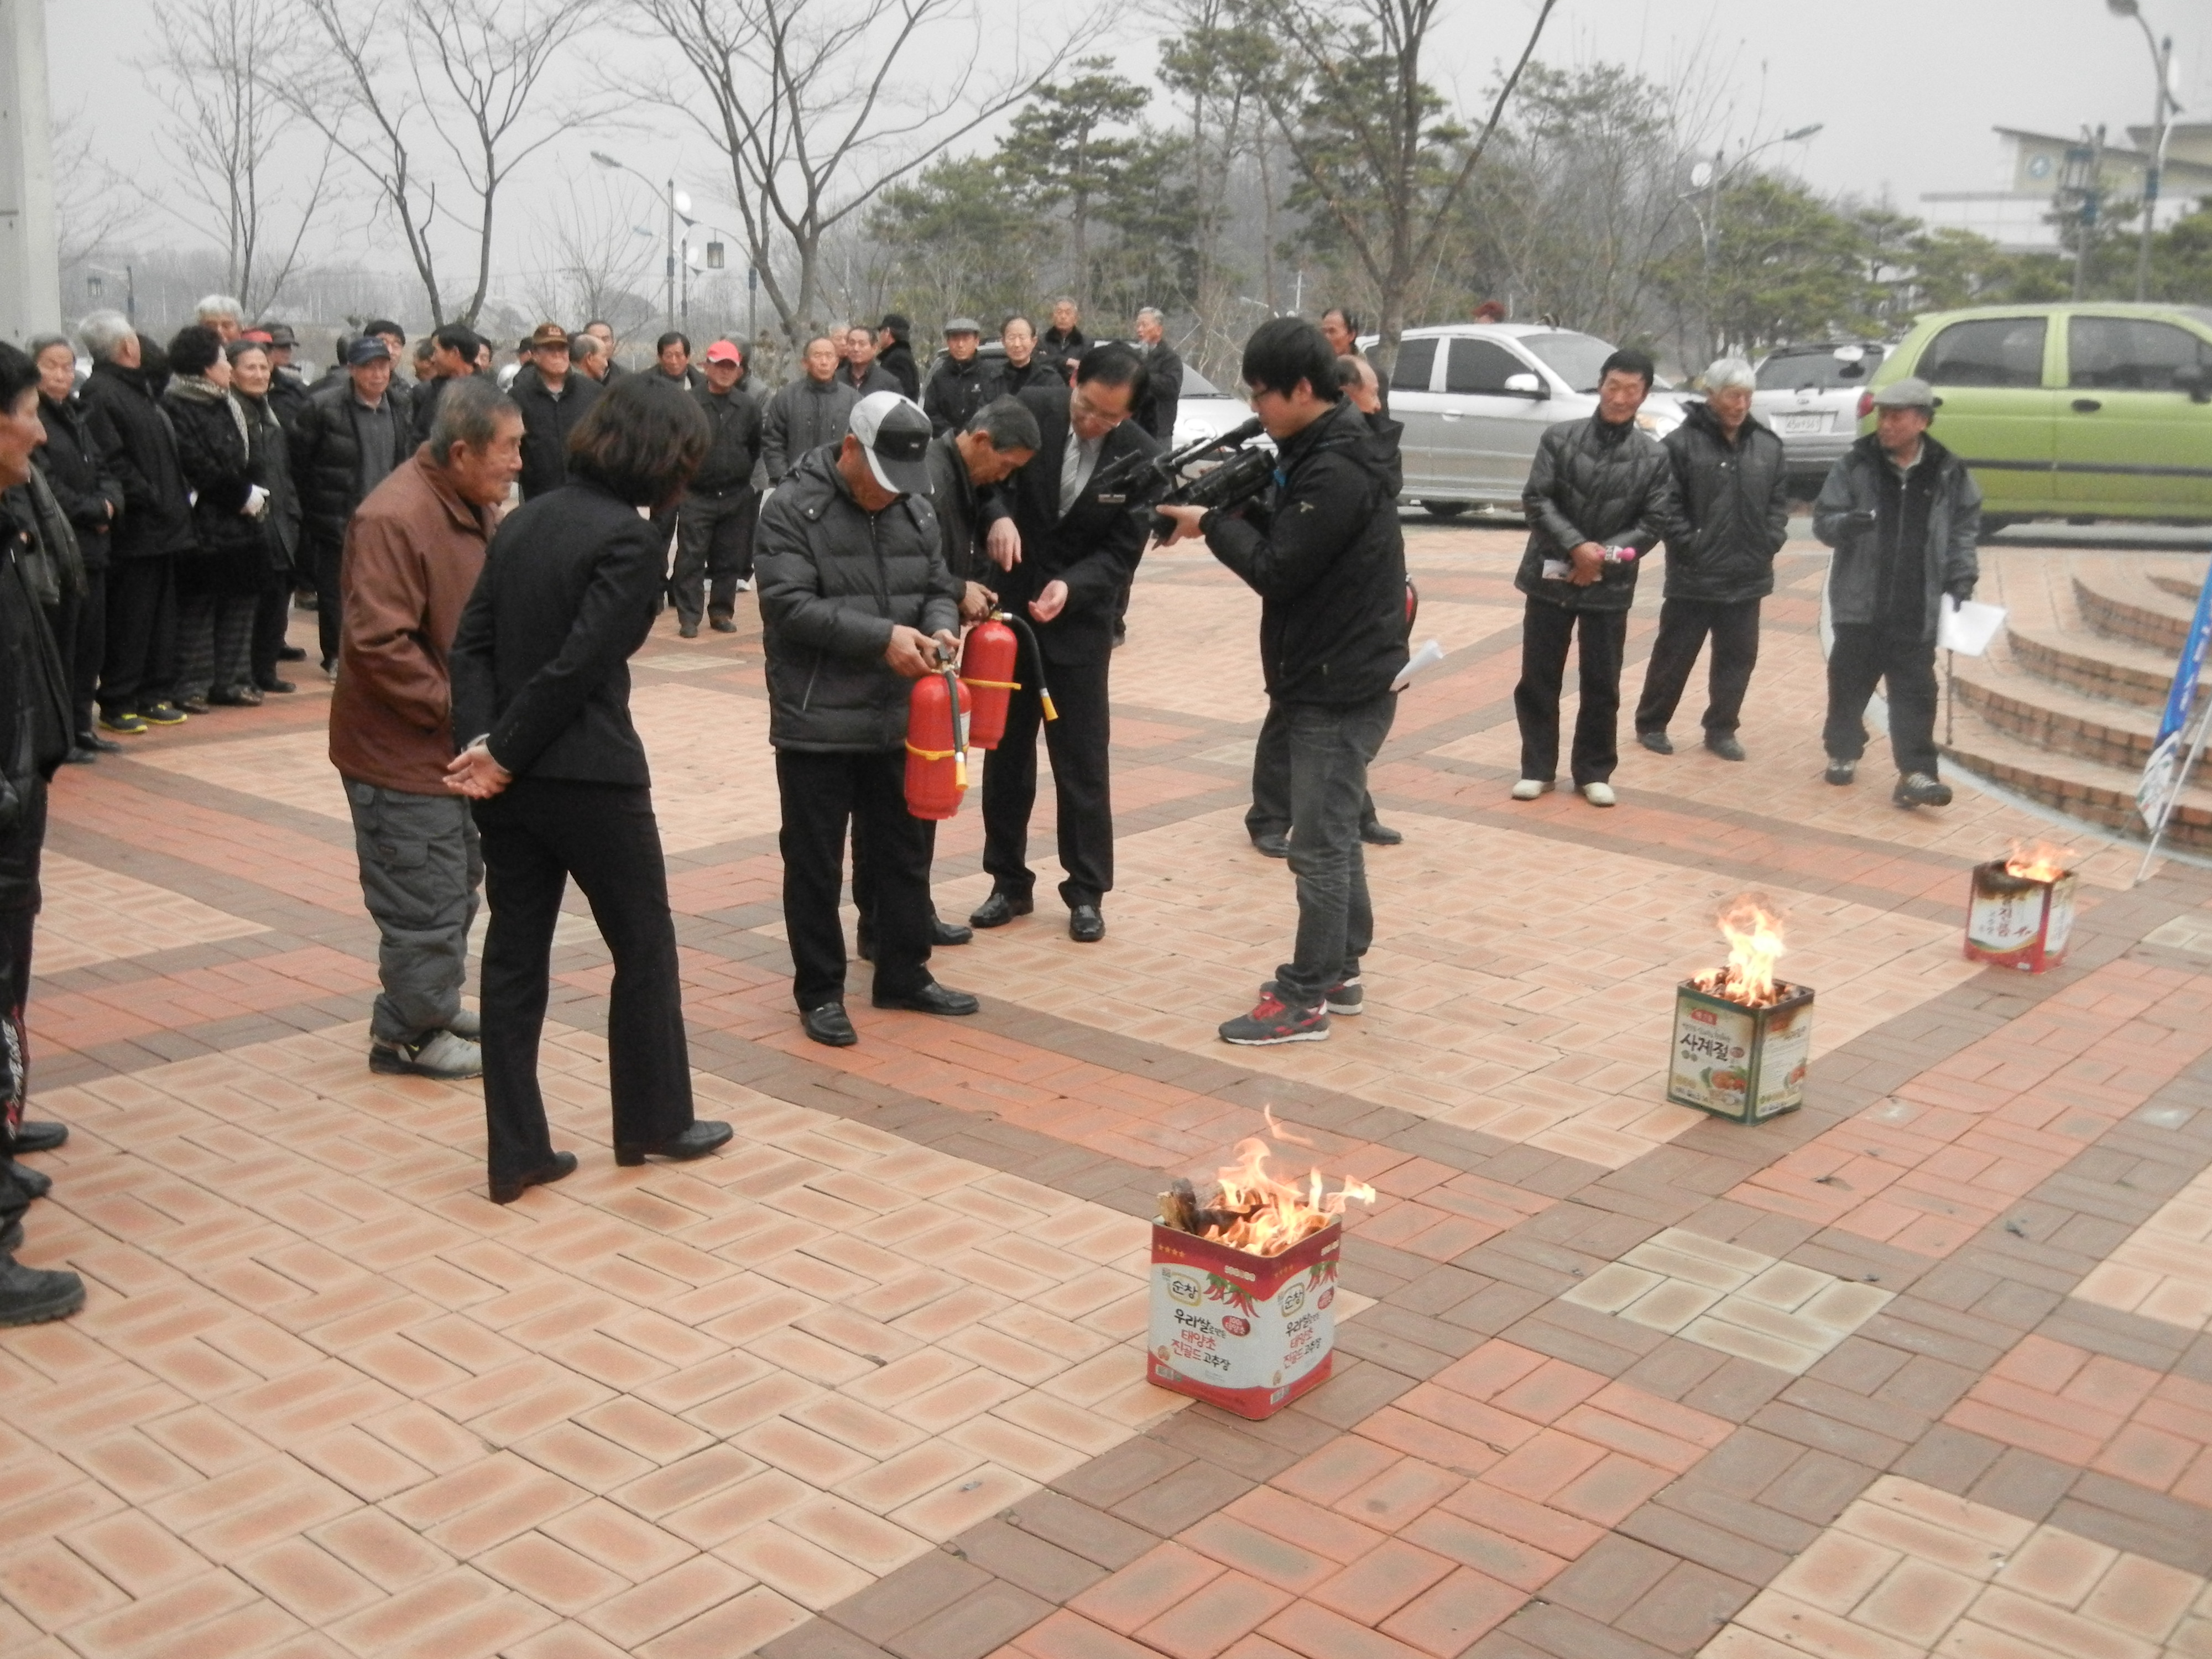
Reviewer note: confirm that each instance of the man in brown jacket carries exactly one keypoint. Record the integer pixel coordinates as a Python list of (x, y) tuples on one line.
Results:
[(413, 551)]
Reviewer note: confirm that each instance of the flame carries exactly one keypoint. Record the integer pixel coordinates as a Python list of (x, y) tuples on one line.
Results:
[(1755, 938), (2039, 861), (1274, 1215)]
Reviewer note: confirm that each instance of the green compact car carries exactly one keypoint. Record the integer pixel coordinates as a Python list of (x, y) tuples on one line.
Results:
[(2077, 411)]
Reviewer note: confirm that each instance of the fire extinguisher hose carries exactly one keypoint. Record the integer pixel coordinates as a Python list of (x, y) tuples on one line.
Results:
[(1023, 631)]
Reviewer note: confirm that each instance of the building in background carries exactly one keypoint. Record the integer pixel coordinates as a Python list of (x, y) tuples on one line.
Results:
[(2041, 171)]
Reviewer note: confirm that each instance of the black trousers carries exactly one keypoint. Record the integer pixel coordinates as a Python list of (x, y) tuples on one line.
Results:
[(140, 657), (1270, 811), (1078, 743), (822, 793), (1546, 632), (865, 894), (714, 552), (21, 852), (87, 649), (328, 558), (535, 835), (272, 616), (1683, 626), (1905, 665)]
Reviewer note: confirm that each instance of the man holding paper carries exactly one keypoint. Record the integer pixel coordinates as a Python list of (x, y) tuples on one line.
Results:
[(1323, 550), (1902, 513)]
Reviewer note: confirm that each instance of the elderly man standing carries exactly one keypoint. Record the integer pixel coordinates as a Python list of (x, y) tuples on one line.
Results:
[(1598, 498), (1065, 342), (715, 523), (412, 557), (861, 370), (1902, 513), (962, 383), (222, 313), (810, 412), (1732, 515), (1163, 369), (855, 603), (553, 398), (351, 437)]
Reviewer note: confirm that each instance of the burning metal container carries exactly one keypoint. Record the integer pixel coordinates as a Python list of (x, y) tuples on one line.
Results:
[(2019, 909), (1742, 1038), (1244, 1287)]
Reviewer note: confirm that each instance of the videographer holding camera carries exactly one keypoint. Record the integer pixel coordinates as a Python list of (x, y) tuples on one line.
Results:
[(1323, 551)]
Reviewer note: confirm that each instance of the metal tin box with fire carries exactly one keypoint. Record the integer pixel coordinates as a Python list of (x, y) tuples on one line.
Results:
[(1742, 1038), (1243, 1304), (2019, 909)]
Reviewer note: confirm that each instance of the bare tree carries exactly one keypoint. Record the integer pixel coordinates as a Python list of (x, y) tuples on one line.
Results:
[(226, 126), (593, 262), (88, 202), (440, 127), (811, 106), (1370, 136)]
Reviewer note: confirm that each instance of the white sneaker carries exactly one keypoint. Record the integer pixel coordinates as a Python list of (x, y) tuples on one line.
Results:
[(466, 1023), (441, 1054), (1530, 788), (1598, 794)]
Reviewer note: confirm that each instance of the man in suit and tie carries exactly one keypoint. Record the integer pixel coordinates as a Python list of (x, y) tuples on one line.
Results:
[(1069, 550)]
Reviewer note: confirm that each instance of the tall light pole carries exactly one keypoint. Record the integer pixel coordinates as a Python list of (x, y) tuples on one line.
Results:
[(672, 198), (2164, 107), (1709, 176)]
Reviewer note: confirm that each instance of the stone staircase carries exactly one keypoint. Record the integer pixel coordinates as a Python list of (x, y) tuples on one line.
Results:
[(2064, 707)]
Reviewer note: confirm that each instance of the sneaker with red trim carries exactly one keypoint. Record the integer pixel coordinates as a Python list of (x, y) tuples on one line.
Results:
[(1346, 996), (1274, 1021)]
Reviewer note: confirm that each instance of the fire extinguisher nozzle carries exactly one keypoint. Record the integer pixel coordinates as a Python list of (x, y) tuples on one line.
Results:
[(1045, 697)]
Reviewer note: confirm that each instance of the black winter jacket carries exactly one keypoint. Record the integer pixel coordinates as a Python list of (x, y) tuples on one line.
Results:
[(957, 390), (326, 463), (540, 662), (1954, 524), (833, 580), (953, 499), (1324, 553), (79, 457), (1592, 481), (156, 518), (271, 445), (1038, 371), (898, 360), (1731, 509), (878, 379), (216, 453), (734, 419), (547, 421), (288, 396), (805, 416), (1066, 349), (34, 723), (1164, 391)]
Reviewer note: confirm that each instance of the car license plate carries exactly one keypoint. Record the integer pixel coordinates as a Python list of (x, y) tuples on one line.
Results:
[(1816, 422)]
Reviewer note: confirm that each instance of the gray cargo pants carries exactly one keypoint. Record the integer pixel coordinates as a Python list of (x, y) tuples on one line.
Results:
[(420, 875)]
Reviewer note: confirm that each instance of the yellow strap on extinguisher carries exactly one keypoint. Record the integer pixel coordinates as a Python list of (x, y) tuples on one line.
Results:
[(934, 754), (993, 685)]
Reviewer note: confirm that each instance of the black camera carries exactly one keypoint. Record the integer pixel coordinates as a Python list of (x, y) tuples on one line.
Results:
[(1215, 472)]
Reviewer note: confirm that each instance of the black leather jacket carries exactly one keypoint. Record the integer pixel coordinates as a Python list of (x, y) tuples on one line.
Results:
[(1731, 509), (1594, 481)]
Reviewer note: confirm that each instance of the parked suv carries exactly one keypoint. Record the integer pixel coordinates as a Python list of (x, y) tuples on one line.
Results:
[(1475, 398), (2077, 411), (1809, 394)]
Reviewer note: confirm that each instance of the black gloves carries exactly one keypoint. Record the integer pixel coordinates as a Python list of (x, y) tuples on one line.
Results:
[(1864, 518), (1961, 590)]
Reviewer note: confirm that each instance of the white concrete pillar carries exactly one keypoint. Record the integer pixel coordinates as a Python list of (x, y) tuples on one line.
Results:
[(30, 267)]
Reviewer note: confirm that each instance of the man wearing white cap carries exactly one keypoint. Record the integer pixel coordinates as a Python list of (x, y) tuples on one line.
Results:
[(855, 602)]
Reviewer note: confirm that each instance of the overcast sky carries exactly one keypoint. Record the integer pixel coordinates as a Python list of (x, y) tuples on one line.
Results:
[(1906, 91)]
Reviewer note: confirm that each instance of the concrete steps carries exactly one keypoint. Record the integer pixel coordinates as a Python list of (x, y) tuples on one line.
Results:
[(2065, 706)]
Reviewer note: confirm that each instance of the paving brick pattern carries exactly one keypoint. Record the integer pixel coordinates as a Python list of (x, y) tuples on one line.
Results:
[(1921, 1369)]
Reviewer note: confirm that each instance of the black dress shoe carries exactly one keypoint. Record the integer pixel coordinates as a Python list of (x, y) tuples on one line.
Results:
[(291, 654), (1724, 744), (31, 1296), (190, 705), (1000, 909), (942, 931), (77, 756), (724, 625), (830, 1024), (930, 999), (1376, 833), (1657, 741), (1275, 846), (1085, 925), (701, 1138), (97, 744), (33, 1136), (34, 1183), (273, 684), (506, 1191)]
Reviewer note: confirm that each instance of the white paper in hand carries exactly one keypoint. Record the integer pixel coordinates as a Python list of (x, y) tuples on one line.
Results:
[(1967, 627), (1428, 656)]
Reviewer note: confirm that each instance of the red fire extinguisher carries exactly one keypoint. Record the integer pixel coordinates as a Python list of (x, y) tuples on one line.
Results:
[(1412, 604), (937, 744), (990, 657)]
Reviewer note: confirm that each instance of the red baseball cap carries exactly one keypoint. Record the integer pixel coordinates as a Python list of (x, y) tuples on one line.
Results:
[(723, 352)]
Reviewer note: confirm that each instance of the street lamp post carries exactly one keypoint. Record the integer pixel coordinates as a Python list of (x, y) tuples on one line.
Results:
[(2164, 107), (676, 202), (1708, 176)]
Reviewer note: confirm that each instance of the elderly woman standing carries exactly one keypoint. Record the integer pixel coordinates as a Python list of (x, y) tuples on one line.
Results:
[(78, 458), (1732, 517), (252, 372), (541, 700), (217, 586)]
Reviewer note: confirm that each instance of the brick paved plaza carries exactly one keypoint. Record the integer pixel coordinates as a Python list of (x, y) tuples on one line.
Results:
[(1919, 1369)]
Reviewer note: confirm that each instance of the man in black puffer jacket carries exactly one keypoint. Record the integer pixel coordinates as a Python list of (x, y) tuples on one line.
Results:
[(352, 436), (855, 604), (1324, 552), (1599, 497), (1732, 515)]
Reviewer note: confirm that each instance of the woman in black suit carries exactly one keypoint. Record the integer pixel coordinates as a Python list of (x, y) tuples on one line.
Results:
[(541, 698)]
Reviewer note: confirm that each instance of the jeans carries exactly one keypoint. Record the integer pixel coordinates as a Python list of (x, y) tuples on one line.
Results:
[(1330, 751), (537, 834), (1683, 625), (420, 870), (822, 795), (1862, 654), (1270, 812), (713, 553), (1545, 631)]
